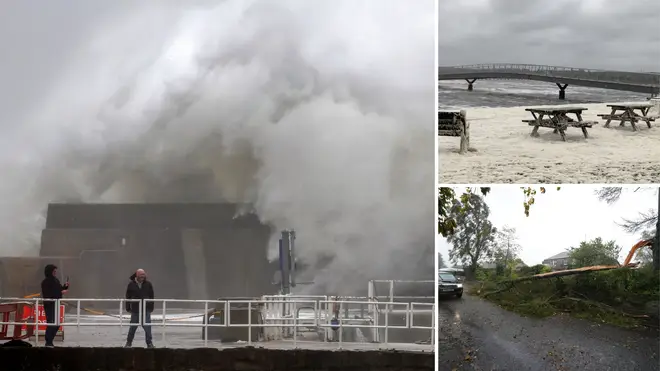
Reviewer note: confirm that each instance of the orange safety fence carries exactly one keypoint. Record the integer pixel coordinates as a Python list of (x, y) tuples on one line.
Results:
[(16, 312), (28, 316)]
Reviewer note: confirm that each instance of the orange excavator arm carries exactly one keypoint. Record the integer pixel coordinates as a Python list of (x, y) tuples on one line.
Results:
[(636, 247)]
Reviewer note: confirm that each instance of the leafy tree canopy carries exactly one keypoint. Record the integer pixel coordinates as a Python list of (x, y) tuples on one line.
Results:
[(506, 248), (474, 236), (595, 252), (446, 198)]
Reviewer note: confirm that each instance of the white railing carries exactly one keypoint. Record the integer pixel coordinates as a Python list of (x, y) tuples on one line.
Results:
[(36, 322), (430, 309), (274, 308), (281, 313), (643, 78), (372, 291)]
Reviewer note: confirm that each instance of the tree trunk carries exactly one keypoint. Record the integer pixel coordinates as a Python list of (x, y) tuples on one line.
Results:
[(472, 269), (656, 245)]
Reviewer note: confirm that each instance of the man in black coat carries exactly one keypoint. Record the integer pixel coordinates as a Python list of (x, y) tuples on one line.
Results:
[(51, 288), (139, 288)]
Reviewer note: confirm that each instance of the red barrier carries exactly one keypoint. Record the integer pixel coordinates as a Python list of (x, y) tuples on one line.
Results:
[(27, 313), (12, 312)]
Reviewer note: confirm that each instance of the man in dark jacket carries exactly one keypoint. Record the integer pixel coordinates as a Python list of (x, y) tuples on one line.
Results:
[(51, 288), (139, 288)]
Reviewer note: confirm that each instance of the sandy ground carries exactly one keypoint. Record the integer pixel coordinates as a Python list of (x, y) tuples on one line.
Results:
[(506, 153)]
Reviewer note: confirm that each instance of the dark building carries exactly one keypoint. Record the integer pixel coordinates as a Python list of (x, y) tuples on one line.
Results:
[(20, 277), (559, 261), (190, 251)]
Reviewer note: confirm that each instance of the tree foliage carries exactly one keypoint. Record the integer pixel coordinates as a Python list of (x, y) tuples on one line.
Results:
[(530, 197), (506, 248), (623, 297), (645, 255), (447, 195), (535, 269), (595, 252), (474, 236), (452, 209), (446, 198)]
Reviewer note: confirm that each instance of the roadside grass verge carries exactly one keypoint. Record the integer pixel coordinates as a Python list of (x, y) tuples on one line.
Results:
[(626, 298)]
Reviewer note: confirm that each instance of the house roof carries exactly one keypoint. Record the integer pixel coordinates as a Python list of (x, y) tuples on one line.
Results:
[(561, 255)]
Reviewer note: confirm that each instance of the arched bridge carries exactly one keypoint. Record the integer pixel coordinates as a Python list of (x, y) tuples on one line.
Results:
[(647, 83)]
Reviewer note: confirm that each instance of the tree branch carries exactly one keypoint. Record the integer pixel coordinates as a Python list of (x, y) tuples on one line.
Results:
[(609, 194), (645, 221)]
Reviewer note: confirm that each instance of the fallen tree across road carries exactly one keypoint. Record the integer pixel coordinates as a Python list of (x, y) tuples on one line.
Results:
[(569, 272), (606, 294)]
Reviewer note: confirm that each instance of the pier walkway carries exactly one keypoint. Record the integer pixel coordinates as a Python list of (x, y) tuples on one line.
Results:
[(646, 83)]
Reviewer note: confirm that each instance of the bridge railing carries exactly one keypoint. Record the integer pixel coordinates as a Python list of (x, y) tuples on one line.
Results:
[(526, 67), (643, 78), (332, 317)]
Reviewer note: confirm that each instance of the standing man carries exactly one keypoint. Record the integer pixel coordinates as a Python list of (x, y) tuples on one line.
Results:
[(139, 288), (51, 288)]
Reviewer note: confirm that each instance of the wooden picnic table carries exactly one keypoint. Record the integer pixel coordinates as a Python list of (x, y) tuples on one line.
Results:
[(629, 112), (455, 124), (558, 119)]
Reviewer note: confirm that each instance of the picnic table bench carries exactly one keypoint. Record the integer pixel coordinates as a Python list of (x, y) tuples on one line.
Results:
[(625, 112), (455, 124), (558, 119)]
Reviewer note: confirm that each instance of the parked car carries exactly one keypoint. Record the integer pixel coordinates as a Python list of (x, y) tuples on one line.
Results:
[(448, 284)]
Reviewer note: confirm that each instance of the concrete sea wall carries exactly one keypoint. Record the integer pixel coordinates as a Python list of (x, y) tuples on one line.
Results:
[(253, 359)]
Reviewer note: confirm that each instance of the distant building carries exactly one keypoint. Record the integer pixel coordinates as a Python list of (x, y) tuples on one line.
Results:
[(558, 262)]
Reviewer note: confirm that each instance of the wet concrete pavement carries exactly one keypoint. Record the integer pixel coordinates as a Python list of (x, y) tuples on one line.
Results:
[(477, 335)]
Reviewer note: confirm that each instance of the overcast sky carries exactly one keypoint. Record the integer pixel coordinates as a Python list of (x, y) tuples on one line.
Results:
[(561, 219), (37, 44), (606, 34)]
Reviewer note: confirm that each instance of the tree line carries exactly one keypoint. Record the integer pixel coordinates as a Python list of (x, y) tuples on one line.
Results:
[(464, 220)]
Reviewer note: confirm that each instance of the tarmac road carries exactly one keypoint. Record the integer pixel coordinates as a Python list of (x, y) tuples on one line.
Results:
[(477, 335)]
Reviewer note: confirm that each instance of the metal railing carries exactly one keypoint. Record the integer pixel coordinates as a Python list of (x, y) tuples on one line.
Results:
[(430, 308), (280, 312), (525, 67), (373, 292)]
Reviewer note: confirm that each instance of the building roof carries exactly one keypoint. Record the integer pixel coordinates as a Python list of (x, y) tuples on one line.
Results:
[(561, 255)]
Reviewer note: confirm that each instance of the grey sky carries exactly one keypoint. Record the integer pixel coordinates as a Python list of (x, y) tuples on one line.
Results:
[(37, 39), (607, 34), (561, 219), (134, 101)]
